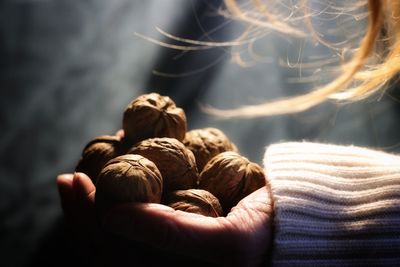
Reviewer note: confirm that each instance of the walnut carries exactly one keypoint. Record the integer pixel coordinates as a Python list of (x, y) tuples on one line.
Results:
[(128, 178), (230, 177), (97, 152), (195, 201), (152, 115), (175, 162), (206, 143)]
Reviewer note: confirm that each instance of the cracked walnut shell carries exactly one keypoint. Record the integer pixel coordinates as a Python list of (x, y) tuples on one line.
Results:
[(206, 143), (195, 201), (230, 177), (128, 178), (175, 162), (152, 115), (97, 152)]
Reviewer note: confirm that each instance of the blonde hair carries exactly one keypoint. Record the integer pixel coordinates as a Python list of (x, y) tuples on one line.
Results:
[(369, 68)]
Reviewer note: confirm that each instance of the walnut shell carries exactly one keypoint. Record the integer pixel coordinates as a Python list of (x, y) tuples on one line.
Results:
[(128, 178), (97, 152), (230, 177), (206, 143), (175, 162), (152, 115), (195, 201)]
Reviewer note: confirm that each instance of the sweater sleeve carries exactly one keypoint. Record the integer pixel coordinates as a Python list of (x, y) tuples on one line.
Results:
[(334, 205)]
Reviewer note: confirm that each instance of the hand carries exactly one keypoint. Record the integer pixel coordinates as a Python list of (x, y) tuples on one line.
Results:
[(242, 238)]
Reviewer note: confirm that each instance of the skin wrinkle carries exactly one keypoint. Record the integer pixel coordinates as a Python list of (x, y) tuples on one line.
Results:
[(212, 231), (165, 237), (255, 209), (204, 240), (248, 217), (169, 235), (178, 231)]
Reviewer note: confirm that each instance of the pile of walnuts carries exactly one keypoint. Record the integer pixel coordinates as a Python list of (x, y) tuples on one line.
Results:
[(158, 160)]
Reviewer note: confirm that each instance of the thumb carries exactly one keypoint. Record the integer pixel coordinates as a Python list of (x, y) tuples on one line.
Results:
[(241, 238)]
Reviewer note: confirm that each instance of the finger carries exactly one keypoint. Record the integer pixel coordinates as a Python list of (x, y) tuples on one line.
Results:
[(83, 187), (228, 240), (86, 224), (120, 133), (251, 209), (253, 215), (65, 189)]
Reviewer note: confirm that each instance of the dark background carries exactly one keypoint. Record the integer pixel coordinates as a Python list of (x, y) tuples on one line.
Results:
[(69, 68)]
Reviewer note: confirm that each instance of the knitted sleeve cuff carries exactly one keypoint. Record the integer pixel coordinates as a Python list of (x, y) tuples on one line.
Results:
[(334, 205)]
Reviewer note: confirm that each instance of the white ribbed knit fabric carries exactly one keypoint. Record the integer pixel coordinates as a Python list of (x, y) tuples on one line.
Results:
[(334, 205)]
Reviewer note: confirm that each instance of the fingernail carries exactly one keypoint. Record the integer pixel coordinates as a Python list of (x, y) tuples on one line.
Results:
[(65, 187), (66, 176)]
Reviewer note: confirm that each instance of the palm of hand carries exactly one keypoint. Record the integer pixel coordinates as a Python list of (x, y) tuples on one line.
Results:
[(242, 238)]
